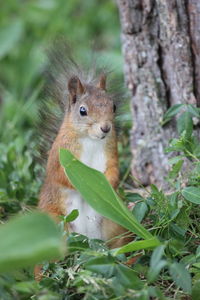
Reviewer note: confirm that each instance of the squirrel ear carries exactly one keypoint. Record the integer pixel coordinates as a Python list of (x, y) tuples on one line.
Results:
[(75, 87), (102, 82)]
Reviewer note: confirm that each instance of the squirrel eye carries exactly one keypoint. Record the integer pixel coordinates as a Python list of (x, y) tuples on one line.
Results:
[(83, 111), (114, 108)]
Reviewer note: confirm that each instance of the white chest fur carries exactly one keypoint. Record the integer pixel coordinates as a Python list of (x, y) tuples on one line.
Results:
[(93, 153), (88, 221)]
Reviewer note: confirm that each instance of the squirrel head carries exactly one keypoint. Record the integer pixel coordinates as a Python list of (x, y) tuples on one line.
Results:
[(91, 109)]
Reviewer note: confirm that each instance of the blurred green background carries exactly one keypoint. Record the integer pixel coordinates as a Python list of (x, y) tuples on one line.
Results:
[(27, 29)]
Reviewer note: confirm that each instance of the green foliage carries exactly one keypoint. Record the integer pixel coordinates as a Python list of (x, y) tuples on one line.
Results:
[(171, 112), (156, 263), (29, 239), (192, 193), (181, 276), (19, 175)]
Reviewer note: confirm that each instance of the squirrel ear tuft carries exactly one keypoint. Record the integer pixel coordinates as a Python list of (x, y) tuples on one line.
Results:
[(102, 82), (75, 87)]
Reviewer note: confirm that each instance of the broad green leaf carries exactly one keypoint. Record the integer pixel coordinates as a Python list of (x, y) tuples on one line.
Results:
[(188, 259), (172, 111), (154, 272), (181, 276), (29, 239), (192, 194), (104, 265), (156, 263), (176, 231), (77, 242), (127, 277), (133, 197), (185, 123), (138, 245), (140, 210), (193, 110), (174, 213), (98, 192)]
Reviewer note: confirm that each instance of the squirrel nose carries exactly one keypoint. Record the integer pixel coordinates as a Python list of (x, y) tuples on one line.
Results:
[(105, 128)]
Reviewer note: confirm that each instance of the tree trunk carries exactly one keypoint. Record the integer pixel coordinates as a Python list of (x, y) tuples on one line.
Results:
[(161, 45)]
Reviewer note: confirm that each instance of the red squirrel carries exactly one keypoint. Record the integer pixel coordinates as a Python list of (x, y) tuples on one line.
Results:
[(88, 131)]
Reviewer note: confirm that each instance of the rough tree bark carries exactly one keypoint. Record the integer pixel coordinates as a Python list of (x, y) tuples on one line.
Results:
[(161, 45)]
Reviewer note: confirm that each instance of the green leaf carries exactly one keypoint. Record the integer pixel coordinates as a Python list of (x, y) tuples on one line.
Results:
[(133, 197), (104, 265), (156, 263), (29, 239), (140, 210), (127, 277), (177, 231), (175, 159), (176, 169), (171, 112), (192, 194), (77, 242), (193, 110), (181, 276), (157, 194), (72, 216), (154, 272), (175, 145), (98, 192), (185, 123), (197, 265), (138, 245)]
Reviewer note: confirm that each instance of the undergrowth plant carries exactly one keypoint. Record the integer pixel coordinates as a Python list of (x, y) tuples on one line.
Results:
[(170, 271)]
